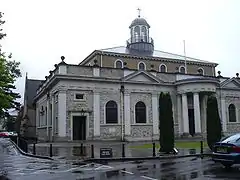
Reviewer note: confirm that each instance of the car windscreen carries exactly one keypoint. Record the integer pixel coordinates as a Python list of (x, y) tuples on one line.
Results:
[(233, 138)]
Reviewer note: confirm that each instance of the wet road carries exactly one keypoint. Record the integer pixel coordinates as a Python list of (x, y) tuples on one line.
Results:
[(18, 167)]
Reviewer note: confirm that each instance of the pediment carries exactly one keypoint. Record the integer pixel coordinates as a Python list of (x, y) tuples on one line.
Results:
[(231, 83), (142, 76)]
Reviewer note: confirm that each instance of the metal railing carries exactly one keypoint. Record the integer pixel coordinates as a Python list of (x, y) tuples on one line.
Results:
[(137, 39)]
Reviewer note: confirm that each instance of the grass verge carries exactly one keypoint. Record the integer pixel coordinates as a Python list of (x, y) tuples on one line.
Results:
[(182, 144)]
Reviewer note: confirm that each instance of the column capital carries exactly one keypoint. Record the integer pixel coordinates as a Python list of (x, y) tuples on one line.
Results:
[(195, 93), (184, 95), (154, 93)]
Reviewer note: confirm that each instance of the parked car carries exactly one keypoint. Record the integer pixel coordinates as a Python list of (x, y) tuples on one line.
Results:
[(3, 134), (227, 151), (13, 133), (8, 134)]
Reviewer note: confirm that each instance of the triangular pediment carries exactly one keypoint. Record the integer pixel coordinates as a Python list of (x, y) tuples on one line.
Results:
[(142, 76), (231, 83)]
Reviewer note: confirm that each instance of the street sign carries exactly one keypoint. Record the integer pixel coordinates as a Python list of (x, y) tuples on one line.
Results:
[(106, 153)]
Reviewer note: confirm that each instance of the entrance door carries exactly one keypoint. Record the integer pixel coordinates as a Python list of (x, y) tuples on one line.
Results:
[(191, 122), (79, 127)]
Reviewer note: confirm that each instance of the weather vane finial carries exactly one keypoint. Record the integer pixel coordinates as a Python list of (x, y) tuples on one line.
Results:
[(139, 11)]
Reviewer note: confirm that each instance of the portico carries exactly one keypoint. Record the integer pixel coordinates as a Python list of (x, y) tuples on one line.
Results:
[(192, 105)]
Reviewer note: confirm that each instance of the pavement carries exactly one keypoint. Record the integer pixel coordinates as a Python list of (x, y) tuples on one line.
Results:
[(73, 150), (18, 167)]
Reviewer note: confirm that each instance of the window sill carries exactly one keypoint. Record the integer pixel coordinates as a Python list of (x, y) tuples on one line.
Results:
[(79, 100), (42, 127), (116, 124), (233, 122), (143, 124)]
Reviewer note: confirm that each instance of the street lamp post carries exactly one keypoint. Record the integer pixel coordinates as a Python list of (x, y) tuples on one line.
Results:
[(122, 104)]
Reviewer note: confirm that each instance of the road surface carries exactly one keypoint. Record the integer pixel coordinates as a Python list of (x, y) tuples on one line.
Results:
[(18, 167)]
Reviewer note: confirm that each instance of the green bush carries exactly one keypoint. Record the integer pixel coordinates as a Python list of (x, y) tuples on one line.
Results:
[(166, 125), (214, 127)]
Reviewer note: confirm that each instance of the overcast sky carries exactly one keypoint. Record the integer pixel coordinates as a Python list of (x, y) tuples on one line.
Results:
[(39, 32)]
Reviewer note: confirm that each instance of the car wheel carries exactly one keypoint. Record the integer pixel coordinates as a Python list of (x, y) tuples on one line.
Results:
[(227, 165)]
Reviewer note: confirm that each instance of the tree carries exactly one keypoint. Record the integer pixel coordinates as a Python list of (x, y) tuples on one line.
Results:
[(9, 123), (9, 72), (214, 127), (166, 125)]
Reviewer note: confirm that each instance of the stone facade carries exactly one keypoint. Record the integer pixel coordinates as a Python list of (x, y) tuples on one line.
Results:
[(84, 90)]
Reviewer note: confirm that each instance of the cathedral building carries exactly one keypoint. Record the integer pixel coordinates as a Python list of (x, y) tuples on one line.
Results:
[(113, 94)]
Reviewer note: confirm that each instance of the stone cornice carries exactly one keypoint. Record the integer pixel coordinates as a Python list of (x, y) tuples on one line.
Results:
[(68, 77), (228, 88), (155, 58), (197, 80)]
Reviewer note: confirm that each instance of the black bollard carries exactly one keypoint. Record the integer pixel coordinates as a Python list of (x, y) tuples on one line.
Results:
[(92, 151), (201, 143), (50, 151), (123, 150), (154, 149), (34, 148), (81, 149), (26, 146)]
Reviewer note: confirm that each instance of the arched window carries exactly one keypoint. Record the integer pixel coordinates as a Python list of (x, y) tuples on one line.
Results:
[(118, 64), (232, 113), (140, 112), (163, 68), (141, 66), (111, 112), (200, 71), (144, 33), (136, 34), (182, 69)]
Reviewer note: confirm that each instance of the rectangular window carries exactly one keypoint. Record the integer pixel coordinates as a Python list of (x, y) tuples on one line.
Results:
[(50, 115), (46, 115), (56, 125), (39, 119), (56, 98), (79, 96)]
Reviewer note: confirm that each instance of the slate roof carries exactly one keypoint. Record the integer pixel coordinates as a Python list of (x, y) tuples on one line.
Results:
[(156, 53), (31, 90)]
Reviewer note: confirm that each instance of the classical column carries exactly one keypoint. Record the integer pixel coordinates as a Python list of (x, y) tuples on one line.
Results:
[(62, 116), (127, 114), (96, 114), (197, 120), (185, 115), (155, 114), (179, 114), (53, 117), (224, 118)]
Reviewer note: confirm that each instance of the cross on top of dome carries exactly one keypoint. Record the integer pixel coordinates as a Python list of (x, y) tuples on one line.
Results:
[(139, 12)]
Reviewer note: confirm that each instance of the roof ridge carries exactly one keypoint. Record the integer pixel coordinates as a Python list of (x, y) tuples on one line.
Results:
[(179, 55), (35, 79), (110, 48)]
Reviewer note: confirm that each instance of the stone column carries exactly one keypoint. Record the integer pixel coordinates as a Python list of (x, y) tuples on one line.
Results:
[(53, 117), (224, 115), (127, 114), (197, 120), (185, 115), (62, 108), (155, 115), (179, 114), (96, 114)]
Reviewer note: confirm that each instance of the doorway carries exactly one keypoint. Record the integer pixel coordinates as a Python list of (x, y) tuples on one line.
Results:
[(79, 127), (191, 122)]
